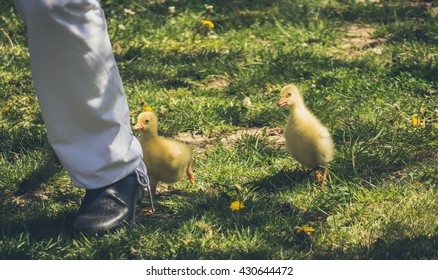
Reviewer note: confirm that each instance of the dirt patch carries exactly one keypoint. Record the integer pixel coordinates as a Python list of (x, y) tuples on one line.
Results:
[(433, 11), (358, 38), (199, 143), (193, 139), (369, 1), (432, 8), (274, 136), (216, 82)]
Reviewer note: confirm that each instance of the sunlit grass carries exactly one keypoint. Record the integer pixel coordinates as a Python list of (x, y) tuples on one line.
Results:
[(367, 70)]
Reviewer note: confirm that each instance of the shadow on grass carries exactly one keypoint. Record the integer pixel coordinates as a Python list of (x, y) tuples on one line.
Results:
[(421, 247), (175, 69), (42, 226), (33, 180), (257, 236), (374, 150), (372, 13), (239, 14), (283, 180), (35, 236), (262, 235), (417, 248)]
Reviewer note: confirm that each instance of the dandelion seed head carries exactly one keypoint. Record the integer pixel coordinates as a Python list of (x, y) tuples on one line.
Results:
[(208, 8), (247, 102), (377, 50)]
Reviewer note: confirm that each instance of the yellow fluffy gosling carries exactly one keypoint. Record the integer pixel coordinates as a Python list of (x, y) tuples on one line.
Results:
[(307, 140), (166, 159)]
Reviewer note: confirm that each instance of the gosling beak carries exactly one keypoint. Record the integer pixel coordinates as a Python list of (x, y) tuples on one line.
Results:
[(282, 102), (137, 127)]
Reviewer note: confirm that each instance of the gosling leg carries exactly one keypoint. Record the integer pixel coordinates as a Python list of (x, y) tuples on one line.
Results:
[(190, 173), (321, 176)]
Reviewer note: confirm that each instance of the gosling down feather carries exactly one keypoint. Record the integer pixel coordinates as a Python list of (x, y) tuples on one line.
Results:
[(307, 140), (166, 159)]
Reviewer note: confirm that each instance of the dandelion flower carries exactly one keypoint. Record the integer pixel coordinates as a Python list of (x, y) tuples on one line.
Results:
[(416, 121), (236, 205), (147, 109), (416, 184), (247, 102), (121, 27), (129, 11), (304, 229), (171, 10), (208, 23)]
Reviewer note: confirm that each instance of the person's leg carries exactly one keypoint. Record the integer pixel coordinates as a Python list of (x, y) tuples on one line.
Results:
[(80, 90), (81, 95)]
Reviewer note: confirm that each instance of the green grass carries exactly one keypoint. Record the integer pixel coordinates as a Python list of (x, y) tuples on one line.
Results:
[(381, 200)]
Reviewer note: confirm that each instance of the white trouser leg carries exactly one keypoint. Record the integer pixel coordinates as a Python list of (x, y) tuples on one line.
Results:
[(80, 91)]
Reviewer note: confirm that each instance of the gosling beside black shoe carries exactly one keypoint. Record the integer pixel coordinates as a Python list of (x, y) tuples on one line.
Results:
[(104, 210)]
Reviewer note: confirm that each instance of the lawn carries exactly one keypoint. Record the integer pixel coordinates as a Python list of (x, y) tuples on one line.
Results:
[(367, 69)]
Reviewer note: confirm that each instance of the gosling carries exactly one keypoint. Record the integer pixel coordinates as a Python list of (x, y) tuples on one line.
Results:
[(166, 159), (307, 140)]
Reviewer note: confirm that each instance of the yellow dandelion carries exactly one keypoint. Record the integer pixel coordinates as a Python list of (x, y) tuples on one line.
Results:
[(416, 121), (6, 110), (436, 125), (304, 229), (121, 27), (236, 205), (209, 23), (147, 109), (417, 184)]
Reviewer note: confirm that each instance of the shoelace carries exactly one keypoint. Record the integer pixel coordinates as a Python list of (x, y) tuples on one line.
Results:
[(143, 180)]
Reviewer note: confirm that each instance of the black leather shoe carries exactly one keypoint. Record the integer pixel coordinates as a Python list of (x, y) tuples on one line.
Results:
[(105, 209)]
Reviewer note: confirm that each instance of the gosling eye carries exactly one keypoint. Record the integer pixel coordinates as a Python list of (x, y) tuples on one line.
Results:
[(146, 121), (289, 94)]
